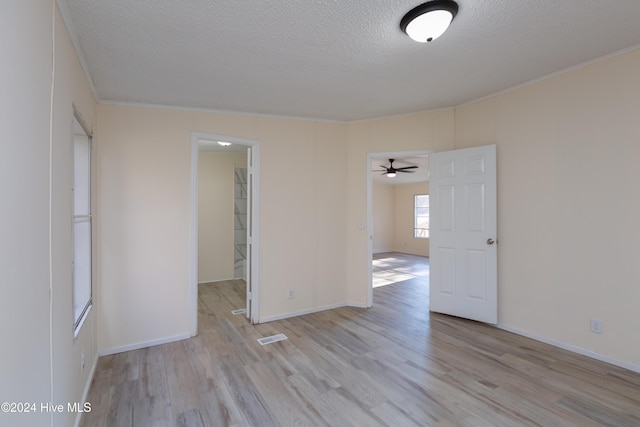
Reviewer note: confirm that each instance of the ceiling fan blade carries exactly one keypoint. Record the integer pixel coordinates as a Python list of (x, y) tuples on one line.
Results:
[(406, 167), (404, 171)]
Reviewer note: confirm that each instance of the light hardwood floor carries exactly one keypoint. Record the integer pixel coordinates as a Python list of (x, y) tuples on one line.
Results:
[(392, 365), (394, 267)]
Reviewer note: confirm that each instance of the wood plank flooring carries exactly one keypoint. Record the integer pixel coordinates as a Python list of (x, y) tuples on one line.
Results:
[(395, 364)]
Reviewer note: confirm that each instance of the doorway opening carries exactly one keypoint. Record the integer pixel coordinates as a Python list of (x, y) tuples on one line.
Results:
[(394, 251), (224, 213), (462, 233)]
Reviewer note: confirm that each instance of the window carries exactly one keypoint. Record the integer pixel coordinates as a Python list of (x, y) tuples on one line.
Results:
[(82, 295), (421, 216)]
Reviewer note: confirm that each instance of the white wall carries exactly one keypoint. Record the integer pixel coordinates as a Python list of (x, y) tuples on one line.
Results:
[(216, 172), (26, 41), (144, 175), (40, 360)]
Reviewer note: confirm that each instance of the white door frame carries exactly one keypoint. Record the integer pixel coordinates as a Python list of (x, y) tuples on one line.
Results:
[(255, 207), (370, 158)]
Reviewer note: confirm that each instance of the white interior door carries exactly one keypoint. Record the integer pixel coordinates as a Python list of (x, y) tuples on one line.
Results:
[(463, 233)]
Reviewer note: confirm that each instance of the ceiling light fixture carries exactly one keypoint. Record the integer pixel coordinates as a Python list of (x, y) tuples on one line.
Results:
[(224, 143), (391, 174), (430, 20)]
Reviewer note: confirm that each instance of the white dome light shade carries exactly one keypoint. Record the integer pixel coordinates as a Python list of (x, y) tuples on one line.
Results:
[(429, 21), (429, 26)]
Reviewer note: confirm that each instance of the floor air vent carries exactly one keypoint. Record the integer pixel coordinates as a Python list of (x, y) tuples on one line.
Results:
[(239, 311), (272, 339)]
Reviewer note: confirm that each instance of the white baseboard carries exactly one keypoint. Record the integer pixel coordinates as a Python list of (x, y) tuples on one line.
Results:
[(299, 313), (144, 344), (572, 348), (214, 281), (382, 251), (357, 305)]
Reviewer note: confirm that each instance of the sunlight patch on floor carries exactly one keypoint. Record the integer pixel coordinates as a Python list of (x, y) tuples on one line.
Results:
[(393, 269)]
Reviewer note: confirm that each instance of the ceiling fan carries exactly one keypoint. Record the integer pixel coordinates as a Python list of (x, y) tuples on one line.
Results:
[(390, 171)]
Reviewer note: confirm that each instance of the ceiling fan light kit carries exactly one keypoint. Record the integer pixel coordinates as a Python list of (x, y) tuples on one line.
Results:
[(391, 171), (429, 21)]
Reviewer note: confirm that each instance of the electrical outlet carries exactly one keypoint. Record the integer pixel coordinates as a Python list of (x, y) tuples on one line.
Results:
[(291, 294), (82, 361), (596, 325)]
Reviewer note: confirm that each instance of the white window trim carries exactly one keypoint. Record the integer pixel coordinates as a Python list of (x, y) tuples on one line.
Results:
[(415, 218)]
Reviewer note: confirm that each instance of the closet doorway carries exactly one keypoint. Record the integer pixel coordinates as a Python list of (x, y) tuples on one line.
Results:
[(224, 229)]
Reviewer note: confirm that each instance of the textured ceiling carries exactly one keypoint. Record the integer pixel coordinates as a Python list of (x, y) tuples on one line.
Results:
[(333, 59)]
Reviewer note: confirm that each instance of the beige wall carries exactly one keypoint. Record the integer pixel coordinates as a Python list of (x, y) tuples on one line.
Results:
[(302, 208), (40, 360), (216, 172), (568, 151), (432, 131), (383, 199), (404, 240), (144, 161), (393, 218), (144, 191)]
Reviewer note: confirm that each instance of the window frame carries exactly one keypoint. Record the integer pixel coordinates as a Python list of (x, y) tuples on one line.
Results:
[(420, 232), (80, 129)]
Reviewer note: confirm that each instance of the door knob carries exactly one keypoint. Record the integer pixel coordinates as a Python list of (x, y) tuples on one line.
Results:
[(490, 241)]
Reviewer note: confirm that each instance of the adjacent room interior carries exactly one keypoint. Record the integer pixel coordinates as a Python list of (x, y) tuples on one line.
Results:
[(399, 208)]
